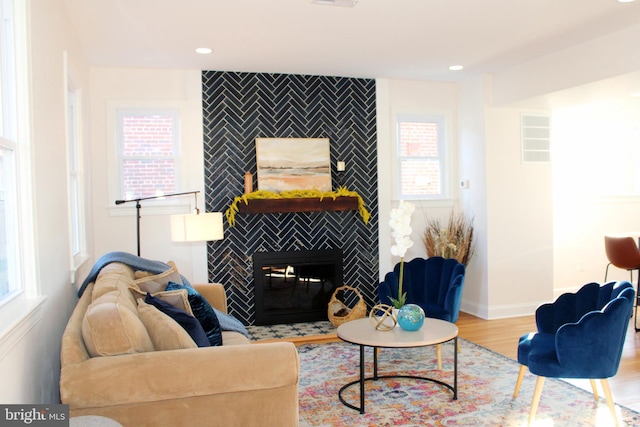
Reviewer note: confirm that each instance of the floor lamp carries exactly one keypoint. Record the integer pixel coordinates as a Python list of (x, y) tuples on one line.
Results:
[(195, 227)]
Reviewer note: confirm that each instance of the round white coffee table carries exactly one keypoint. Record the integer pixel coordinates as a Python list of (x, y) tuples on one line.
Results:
[(362, 333)]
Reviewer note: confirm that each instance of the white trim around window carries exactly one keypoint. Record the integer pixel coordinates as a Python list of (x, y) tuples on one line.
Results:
[(445, 157), (19, 314), (152, 207)]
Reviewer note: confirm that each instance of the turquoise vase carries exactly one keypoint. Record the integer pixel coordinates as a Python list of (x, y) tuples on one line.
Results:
[(411, 317)]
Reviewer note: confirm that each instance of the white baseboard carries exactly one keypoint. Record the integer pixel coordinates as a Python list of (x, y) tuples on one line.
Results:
[(500, 312)]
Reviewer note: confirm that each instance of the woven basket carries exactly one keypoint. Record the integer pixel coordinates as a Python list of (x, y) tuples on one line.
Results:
[(340, 313)]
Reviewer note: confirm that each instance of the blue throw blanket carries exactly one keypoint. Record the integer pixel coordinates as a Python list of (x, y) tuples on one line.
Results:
[(227, 322)]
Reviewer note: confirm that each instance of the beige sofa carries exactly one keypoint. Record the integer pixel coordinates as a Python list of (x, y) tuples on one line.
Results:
[(237, 384)]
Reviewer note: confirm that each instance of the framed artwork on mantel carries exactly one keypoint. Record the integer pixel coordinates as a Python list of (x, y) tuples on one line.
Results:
[(286, 164)]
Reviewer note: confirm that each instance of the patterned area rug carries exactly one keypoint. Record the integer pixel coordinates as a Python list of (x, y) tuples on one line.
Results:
[(485, 386)]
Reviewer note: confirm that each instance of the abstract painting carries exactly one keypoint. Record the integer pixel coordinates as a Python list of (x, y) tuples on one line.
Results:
[(293, 164)]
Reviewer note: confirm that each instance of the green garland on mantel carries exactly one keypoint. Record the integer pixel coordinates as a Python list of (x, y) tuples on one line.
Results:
[(295, 194)]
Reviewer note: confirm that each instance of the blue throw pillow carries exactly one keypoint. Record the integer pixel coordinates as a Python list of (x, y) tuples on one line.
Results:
[(203, 311), (184, 319)]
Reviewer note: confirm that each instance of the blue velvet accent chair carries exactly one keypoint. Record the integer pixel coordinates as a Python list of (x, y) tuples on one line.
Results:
[(435, 284), (580, 335)]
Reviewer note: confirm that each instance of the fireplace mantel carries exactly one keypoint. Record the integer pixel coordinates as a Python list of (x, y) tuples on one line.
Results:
[(302, 204)]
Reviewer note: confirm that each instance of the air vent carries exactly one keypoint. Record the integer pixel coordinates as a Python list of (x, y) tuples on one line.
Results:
[(536, 139)]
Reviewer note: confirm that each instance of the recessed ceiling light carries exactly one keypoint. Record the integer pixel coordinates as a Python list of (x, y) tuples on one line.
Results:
[(341, 3), (204, 50), (456, 67), (625, 1)]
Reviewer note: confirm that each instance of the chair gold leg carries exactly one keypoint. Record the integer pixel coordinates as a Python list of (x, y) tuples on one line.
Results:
[(594, 387), (523, 369), (439, 355), (610, 402), (537, 392)]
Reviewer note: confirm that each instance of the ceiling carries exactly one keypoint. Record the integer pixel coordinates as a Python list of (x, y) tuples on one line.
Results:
[(403, 39)]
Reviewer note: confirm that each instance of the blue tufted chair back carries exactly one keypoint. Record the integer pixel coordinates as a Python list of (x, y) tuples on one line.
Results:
[(570, 307), (435, 284), (592, 346)]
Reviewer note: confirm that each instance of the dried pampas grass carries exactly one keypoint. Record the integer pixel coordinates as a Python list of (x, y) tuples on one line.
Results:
[(455, 240)]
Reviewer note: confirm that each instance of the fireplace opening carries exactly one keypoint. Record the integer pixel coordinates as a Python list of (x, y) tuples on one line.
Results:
[(295, 286)]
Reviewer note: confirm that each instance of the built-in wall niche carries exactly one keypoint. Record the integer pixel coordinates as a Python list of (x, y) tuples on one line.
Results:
[(240, 107)]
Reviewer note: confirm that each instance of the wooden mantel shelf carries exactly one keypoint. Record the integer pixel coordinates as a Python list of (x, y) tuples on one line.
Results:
[(303, 204)]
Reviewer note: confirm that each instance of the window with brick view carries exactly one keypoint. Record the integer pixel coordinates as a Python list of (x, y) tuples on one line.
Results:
[(420, 156), (148, 151)]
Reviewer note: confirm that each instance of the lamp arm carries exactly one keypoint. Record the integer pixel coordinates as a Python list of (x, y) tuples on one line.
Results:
[(119, 202), (138, 206)]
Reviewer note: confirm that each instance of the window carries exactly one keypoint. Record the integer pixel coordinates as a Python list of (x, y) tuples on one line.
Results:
[(15, 208), (9, 280), (421, 157), (75, 178), (148, 152)]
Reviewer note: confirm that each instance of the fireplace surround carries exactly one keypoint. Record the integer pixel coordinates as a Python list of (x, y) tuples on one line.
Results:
[(240, 107), (295, 286)]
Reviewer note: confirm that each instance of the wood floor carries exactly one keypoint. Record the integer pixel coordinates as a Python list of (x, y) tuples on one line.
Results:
[(502, 336)]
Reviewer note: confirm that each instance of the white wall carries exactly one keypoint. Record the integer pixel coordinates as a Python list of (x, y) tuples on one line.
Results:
[(608, 56), (396, 97), (473, 167), (596, 152), (30, 369), (520, 221), (116, 226), (511, 272)]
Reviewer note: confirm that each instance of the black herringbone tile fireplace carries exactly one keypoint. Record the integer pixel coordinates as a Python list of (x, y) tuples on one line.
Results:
[(240, 107)]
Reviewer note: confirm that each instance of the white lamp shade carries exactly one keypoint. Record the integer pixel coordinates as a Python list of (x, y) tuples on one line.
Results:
[(197, 227)]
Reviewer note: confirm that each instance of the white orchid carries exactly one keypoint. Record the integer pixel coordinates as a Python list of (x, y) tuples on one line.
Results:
[(400, 223)]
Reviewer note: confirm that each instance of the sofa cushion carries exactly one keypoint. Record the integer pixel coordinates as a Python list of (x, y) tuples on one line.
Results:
[(111, 329), (157, 282), (165, 333), (118, 294), (203, 311), (184, 319), (109, 277)]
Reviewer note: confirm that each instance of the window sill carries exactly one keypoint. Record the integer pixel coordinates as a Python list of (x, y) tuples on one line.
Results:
[(432, 203), (79, 262), (19, 316)]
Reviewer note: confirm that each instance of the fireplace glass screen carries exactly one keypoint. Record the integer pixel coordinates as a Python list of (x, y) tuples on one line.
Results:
[(295, 286)]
